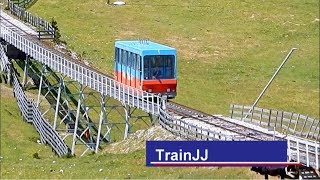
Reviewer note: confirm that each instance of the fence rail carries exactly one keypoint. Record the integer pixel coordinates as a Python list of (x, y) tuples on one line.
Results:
[(44, 28), (190, 131), (81, 73), (31, 113), (303, 150), (284, 122), (4, 60), (23, 3), (127, 95)]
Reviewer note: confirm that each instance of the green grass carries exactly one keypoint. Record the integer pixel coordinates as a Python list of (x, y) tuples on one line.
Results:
[(227, 50), (18, 145)]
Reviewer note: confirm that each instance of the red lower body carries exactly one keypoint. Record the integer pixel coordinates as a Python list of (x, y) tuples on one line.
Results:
[(157, 86)]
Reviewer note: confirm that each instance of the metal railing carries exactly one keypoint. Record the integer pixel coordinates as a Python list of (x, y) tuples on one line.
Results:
[(4, 60), (302, 132), (127, 95), (303, 150), (31, 113), (190, 131), (81, 73), (284, 122)]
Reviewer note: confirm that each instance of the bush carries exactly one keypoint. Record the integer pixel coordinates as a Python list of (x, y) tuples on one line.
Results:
[(36, 156), (57, 34)]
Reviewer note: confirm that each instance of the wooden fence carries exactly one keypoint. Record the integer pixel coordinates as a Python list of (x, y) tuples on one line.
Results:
[(24, 3), (284, 122), (44, 28)]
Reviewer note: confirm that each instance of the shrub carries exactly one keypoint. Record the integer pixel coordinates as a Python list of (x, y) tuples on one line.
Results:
[(57, 34), (36, 156)]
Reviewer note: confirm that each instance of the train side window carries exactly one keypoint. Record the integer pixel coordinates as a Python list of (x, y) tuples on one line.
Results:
[(115, 58), (135, 61), (129, 59), (116, 55), (132, 60), (138, 62), (125, 58), (120, 56)]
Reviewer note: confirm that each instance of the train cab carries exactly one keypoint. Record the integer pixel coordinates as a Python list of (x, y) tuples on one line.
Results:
[(146, 65)]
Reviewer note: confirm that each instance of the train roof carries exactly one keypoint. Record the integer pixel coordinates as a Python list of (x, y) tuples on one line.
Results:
[(145, 47)]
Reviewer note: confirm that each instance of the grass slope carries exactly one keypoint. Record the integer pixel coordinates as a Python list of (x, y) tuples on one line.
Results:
[(18, 144), (227, 50)]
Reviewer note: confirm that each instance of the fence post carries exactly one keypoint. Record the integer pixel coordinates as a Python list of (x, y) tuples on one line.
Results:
[(269, 118), (232, 106), (261, 116), (305, 122), (295, 126), (252, 113), (242, 112)]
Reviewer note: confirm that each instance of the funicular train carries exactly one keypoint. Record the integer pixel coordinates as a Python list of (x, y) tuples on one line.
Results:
[(146, 65)]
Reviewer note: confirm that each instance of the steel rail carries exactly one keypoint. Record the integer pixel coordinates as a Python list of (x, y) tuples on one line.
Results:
[(105, 84), (78, 71), (220, 122)]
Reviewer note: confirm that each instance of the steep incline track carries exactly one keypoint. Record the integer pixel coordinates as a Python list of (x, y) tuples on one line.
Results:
[(24, 40), (220, 123)]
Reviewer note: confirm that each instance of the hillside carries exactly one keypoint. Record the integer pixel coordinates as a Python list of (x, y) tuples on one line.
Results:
[(19, 146), (227, 52)]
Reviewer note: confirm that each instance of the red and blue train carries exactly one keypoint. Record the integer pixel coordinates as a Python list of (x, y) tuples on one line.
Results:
[(146, 65)]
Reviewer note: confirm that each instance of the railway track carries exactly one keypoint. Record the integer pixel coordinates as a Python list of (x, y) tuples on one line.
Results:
[(219, 123), (238, 130), (178, 111), (306, 154)]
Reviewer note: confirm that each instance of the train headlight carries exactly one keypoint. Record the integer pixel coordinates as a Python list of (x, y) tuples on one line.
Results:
[(149, 90), (168, 89)]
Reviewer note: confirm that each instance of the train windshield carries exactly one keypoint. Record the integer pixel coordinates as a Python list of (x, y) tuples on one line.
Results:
[(159, 67)]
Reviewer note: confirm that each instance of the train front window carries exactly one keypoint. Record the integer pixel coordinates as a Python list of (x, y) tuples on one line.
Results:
[(159, 67)]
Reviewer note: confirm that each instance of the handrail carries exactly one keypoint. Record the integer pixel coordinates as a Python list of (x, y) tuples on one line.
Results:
[(96, 80), (285, 122), (81, 73), (31, 113)]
